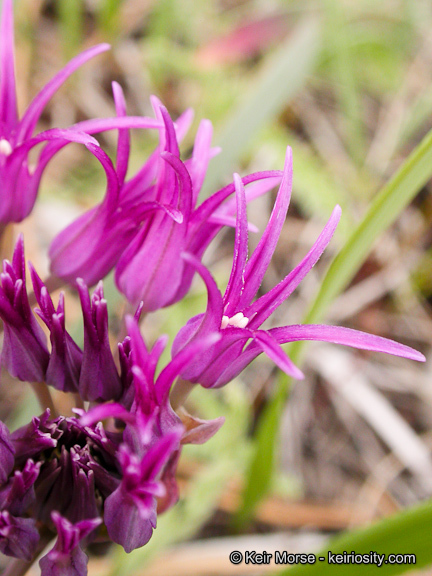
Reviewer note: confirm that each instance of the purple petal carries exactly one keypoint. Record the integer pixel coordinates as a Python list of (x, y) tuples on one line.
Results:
[(208, 207), (18, 536), (35, 109), (157, 456), (230, 221), (182, 360), (8, 104), (200, 157), (56, 564), (185, 195), (96, 125), (33, 439), (104, 411), (67, 558), (7, 452), (125, 524), (213, 315), (270, 346), (258, 263), (123, 144), (99, 379), (345, 336), (260, 310), (236, 280), (183, 123)]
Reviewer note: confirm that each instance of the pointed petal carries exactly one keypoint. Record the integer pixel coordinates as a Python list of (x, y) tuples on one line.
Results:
[(159, 453), (200, 157), (185, 196), (181, 361), (214, 312), (345, 336), (8, 104), (183, 123), (206, 209), (125, 524), (123, 144), (260, 310), (236, 280), (35, 109), (271, 347), (260, 259), (104, 411), (230, 221), (97, 125)]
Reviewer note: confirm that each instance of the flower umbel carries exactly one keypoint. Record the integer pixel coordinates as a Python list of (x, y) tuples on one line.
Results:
[(104, 466), (68, 475), (144, 224)]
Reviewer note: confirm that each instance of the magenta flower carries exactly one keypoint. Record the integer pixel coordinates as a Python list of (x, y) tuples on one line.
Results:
[(130, 511), (144, 224), (92, 244), (237, 318), (20, 182), (67, 557), (65, 359), (18, 536), (155, 253), (67, 475), (24, 354)]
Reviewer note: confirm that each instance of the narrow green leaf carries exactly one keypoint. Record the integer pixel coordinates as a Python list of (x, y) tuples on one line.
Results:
[(383, 211), (260, 472), (284, 73), (405, 533)]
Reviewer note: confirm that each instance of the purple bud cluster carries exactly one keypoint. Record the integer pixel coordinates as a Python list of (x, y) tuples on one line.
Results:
[(108, 470)]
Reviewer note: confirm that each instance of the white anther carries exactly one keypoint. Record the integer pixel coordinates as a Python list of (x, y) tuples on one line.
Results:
[(238, 321), (5, 147)]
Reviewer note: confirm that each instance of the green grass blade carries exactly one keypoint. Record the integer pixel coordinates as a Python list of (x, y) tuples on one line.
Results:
[(284, 73), (405, 533), (383, 211), (260, 472)]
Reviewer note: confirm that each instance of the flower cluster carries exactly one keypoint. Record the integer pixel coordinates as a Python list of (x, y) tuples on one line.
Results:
[(106, 471)]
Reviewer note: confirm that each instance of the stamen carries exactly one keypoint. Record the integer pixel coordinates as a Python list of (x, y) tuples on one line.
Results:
[(5, 147), (237, 321)]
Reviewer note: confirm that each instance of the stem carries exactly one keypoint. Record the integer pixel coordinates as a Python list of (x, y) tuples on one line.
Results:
[(43, 394), (180, 392)]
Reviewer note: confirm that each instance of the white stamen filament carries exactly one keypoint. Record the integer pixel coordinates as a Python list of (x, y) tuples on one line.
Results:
[(5, 147), (238, 321)]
